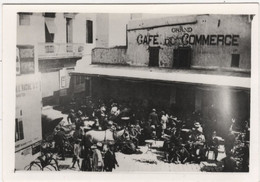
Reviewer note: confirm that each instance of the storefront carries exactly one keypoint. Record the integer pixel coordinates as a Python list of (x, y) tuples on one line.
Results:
[(28, 129)]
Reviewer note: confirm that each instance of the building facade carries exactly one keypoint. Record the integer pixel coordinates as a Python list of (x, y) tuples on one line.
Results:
[(184, 64), (49, 46), (61, 40), (28, 107)]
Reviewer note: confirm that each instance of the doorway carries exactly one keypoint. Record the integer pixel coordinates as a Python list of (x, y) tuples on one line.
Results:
[(182, 57), (154, 56)]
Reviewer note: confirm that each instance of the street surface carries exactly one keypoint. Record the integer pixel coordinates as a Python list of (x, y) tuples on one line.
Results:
[(152, 161)]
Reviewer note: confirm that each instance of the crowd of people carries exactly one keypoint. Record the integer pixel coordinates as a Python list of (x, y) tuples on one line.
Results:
[(184, 141)]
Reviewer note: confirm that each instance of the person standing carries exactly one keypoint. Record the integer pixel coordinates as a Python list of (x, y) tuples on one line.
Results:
[(110, 161), (98, 163), (59, 141), (71, 117), (76, 152), (214, 144), (153, 116), (164, 121)]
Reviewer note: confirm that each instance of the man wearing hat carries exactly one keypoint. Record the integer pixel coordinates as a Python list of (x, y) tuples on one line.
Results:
[(199, 144), (59, 141), (214, 145), (110, 161), (198, 127), (154, 117)]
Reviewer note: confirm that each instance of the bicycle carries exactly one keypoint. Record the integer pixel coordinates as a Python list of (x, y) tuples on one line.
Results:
[(45, 161)]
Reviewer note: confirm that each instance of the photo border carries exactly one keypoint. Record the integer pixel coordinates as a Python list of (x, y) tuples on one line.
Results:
[(9, 77)]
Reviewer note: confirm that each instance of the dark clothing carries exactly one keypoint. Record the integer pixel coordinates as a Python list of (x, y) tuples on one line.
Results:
[(110, 161), (154, 118), (72, 117), (229, 164), (183, 155), (59, 142), (229, 142), (213, 145), (59, 138)]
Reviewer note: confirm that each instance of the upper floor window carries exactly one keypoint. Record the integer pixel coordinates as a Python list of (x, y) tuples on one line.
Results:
[(89, 31), (25, 59), (69, 30), (50, 27), (24, 18), (50, 15)]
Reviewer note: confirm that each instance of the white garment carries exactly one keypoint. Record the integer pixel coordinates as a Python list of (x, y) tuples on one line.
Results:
[(164, 121)]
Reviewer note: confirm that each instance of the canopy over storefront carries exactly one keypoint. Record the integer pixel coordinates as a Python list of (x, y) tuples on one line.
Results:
[(204, 77)]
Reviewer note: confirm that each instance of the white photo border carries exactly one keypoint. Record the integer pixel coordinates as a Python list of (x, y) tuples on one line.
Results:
[(9, 80)]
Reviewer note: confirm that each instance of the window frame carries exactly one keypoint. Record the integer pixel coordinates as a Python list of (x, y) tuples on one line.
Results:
[(89, 31), (23, 15)]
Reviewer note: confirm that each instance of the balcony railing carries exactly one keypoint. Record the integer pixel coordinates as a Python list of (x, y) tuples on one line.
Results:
[(60, 50)]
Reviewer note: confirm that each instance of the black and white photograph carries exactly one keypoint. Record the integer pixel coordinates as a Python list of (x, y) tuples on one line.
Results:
[(133, 92)]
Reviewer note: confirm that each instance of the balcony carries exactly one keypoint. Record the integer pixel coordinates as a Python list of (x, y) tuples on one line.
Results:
[(60, 50)]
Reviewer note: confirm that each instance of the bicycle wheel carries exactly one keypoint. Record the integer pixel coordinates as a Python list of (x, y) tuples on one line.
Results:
[(33, 166), (54, 164), (50, 167)]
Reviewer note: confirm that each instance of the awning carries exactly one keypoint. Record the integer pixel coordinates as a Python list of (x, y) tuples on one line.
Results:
[(157, 74), (50, 25)]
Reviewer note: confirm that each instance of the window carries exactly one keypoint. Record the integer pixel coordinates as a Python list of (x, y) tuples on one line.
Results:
[(19, 135), (182, 57), (24, 18), (25, 60), (89, 32), (235, 60), (69, 30), (50, 29), (50, 15)]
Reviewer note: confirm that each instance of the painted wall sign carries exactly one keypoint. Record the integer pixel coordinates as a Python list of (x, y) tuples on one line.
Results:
[(27, 87), (227, 40), (182, 35), (181, 29), (147, 39), (191, 39)]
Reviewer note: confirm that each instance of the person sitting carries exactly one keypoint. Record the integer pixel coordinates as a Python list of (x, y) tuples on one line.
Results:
[(182, 154)]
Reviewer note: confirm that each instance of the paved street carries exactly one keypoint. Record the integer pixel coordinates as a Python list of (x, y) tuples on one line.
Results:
[(152, 161)]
